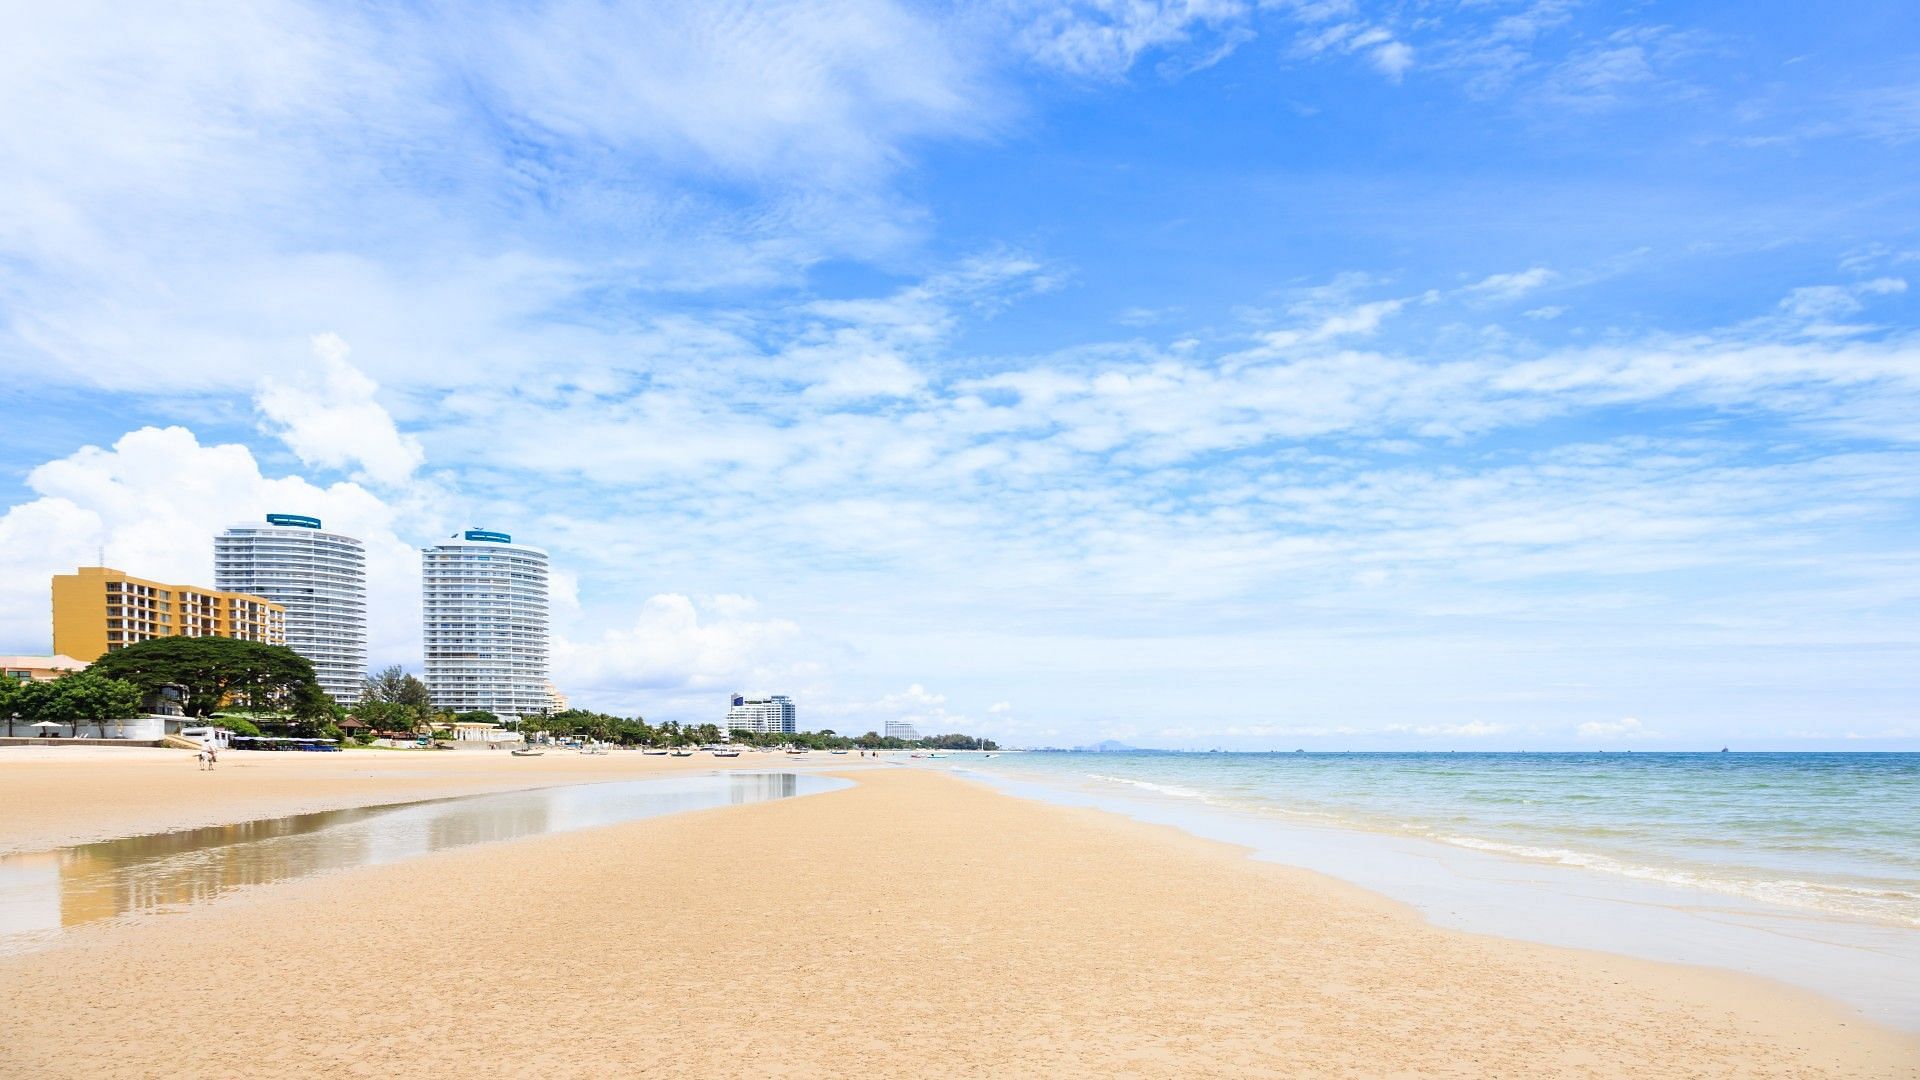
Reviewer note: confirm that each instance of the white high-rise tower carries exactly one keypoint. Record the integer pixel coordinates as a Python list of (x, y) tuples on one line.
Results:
[(321, 579), (484, 601)]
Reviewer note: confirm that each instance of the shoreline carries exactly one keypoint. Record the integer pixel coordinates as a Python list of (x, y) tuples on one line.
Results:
[(920, 923), (1873, 967)]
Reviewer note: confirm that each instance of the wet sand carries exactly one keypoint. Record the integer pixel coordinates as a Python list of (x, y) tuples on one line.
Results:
[(914, 924), (56, 796)]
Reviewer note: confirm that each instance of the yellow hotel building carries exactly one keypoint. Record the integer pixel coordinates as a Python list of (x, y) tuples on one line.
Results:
[(97, 610)]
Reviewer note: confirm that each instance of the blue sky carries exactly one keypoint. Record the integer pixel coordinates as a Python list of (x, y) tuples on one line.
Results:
[(1339, 375)]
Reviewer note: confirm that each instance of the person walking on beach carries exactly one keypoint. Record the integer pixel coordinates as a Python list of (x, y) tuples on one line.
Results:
[(209, 753)]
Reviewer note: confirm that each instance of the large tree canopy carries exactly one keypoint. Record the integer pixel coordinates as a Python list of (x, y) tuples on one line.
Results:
[(211, 672)]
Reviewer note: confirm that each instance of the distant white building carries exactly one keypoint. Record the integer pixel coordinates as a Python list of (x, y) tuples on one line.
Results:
[(320, 577), (762, 716), (484, 608), (901, 729)]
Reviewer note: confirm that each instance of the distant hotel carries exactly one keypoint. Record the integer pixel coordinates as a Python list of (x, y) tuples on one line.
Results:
[(901, 729), (762, 716), (484, 606), (319, 577), (97, 610)]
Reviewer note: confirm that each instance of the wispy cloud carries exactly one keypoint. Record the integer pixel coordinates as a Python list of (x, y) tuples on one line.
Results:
[(1104, 38)]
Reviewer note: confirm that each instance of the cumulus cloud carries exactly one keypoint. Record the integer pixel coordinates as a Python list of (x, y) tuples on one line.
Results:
[(331, 419), (1393, 59), (867, 375), (669, 645)]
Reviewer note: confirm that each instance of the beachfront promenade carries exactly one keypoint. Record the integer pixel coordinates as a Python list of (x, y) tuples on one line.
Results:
[(925, 926)]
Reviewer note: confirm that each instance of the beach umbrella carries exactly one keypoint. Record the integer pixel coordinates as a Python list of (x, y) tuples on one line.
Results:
[(47, 723)]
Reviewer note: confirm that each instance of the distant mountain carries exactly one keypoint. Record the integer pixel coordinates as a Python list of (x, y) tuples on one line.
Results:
[(1106, 746)]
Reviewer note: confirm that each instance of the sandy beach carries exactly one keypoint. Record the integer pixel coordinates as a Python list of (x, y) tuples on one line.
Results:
[(913, 924)]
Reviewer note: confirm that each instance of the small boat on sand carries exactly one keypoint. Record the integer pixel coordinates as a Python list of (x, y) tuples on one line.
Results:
[(726, 753), (528, 751), (681, 753)]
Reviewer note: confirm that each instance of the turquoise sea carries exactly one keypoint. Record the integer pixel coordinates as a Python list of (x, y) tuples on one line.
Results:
[(1836, 833)]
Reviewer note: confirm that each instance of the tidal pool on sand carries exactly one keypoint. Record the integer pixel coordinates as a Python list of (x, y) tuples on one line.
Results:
[(44, 894)]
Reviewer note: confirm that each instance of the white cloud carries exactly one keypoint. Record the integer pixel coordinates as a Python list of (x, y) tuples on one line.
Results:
[(733, 605), (824, 92), (1503, 287), (1393, 59), (330, 418), (1382, 49), (1631, 64), (1477, 729), (867, 375), (1356, 321), (1103, 38), (1827, 301), (916, 705), (669, 646), (230, 179), (1624, 728)]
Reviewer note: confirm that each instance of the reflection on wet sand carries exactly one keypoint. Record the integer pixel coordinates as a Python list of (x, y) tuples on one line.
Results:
[(45, 893), (758, 787)]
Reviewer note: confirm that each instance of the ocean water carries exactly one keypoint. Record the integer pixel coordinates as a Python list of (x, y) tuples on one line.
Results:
[(1837, 834)]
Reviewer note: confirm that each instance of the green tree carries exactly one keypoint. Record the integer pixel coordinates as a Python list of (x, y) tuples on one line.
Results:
[(391, 716), (211, 672), (16, 701), (73, 698), (89, 695), (393, 686)]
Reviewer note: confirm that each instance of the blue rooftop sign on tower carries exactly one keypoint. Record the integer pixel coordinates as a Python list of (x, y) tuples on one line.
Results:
[(489, 537), (300, 520)]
